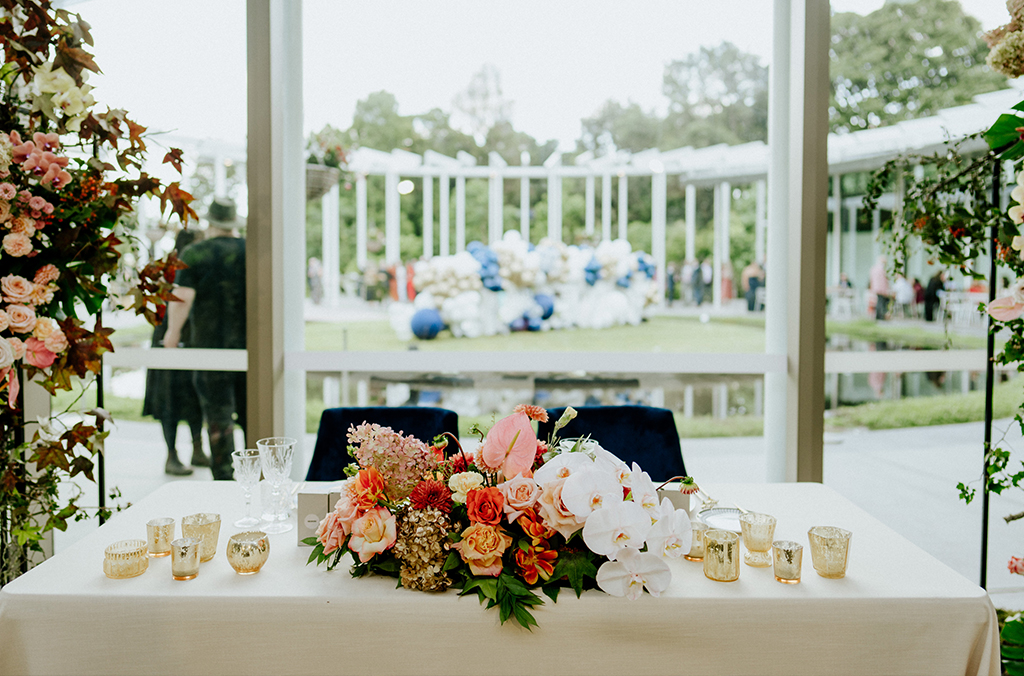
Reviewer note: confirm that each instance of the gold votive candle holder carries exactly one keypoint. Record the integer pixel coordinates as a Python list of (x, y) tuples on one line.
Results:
[(159, 533), (206, 527), (185, 558), (788, 557), (758, 531), (721, 555), (248, 551), (125, 558), (697, 544), (830, 549)]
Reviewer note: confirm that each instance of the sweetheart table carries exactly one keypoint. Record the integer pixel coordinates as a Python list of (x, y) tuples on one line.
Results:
[(897, 611)]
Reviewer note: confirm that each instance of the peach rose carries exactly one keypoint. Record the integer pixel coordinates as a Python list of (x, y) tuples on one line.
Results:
[(16, 289), (331, 532), (18, 346), (42, 294), (17, 244), (6, 353), (373, 533), (37, 355), (22, 318), (347, 507), (553, 510), (482, 546), (484, 505), (5, 321), (56, 342), (521, 494)]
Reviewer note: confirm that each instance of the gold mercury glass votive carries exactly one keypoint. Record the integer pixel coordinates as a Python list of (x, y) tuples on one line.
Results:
[(697, 545), (185, 558), (721, 555), (830, 549), (206, 527), (788, 557), (248, 551), (125, 558), (160, 532), (758, 531)]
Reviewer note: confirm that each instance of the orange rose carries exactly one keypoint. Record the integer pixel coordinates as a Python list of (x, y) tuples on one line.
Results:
[(485, 505), (553, 510), (369, 488), (482, 546)]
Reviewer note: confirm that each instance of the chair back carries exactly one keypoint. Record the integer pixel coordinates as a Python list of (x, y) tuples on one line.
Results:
[(330, 456), (640, 434)]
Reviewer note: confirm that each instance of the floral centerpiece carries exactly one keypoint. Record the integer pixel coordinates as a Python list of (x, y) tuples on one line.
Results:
[(69, 175), (517, 516)]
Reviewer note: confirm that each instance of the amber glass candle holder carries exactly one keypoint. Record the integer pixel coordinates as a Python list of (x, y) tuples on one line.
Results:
[(248, 551), (185, 558), (830, 549), (125, 558), (697, 544), (788, 558), (159, 533), (721, 555), (758, 531), (206, 527)]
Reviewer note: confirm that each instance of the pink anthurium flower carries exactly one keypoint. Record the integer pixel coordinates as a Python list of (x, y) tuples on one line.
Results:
[(511, 445), (1006, 308), (632, 572)]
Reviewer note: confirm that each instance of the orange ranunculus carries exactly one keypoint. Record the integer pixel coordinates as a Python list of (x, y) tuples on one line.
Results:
[(536, 561), (482, 546), (369, 488), (534, 526), (485, 505)]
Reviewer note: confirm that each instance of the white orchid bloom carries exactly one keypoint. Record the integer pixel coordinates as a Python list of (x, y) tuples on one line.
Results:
[(633, 571), (672, 535), (590, 489), (561, 466), (615, 527), (608, 460), (643, 492)]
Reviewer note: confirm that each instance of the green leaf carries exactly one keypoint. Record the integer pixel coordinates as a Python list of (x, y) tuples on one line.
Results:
[(1013, 632), (551, 591), (317, 553), (487, 587), (576, 566), (311, 541), (1004, 131), (452, 561)]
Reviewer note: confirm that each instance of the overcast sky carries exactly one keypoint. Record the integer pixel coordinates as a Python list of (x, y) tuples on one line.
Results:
[(181, 65)]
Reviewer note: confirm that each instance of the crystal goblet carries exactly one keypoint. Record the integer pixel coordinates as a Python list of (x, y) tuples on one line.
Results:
[(276, 460), (247, 466)]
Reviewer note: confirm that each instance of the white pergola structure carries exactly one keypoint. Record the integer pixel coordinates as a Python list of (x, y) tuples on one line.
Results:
[(718, 167)]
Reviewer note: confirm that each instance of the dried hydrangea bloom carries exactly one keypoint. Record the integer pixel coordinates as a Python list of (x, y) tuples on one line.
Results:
[(1007, 57), (422, 548)]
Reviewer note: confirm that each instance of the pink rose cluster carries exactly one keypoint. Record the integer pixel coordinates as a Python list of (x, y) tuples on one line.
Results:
[(23, 214), (26, 335)]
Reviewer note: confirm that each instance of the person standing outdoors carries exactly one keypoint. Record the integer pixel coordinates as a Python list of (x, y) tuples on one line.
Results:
[(878, 284), (211, 293)]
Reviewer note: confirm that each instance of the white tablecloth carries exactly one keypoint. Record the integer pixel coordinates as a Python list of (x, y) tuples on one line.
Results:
[(898, 611)]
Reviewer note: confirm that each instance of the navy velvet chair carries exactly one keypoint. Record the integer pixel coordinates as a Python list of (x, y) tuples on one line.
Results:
[(640, 434), (330, 456)]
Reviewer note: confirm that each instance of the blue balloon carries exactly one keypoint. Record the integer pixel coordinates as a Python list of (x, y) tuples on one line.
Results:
[(426, 324), (533, 323), (547, 304), (519, 324)]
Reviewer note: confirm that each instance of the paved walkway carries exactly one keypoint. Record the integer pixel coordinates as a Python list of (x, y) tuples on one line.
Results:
[(906, 478)]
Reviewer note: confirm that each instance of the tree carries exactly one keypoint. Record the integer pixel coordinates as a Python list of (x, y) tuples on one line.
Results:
[(620, 127), (717, 95), (482, 104), (377, 124), (905, 60)]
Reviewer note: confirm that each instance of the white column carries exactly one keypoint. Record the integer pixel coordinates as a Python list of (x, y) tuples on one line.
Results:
[(758, 397), (623, 204), (717, 254), (837, 229), (691, 223), (524, 208), (726, 218), (759, 221), (555, 207), (363, 392), (589, 221), (444, 224), (659, 196), (361, 257), (330, 246), (275, 254), (776, 419), (606, 207), (428, 217), (392, 220), (494, 208), (876, 225), (688, 401), (331, 388), (460, 214), (851, 244)]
